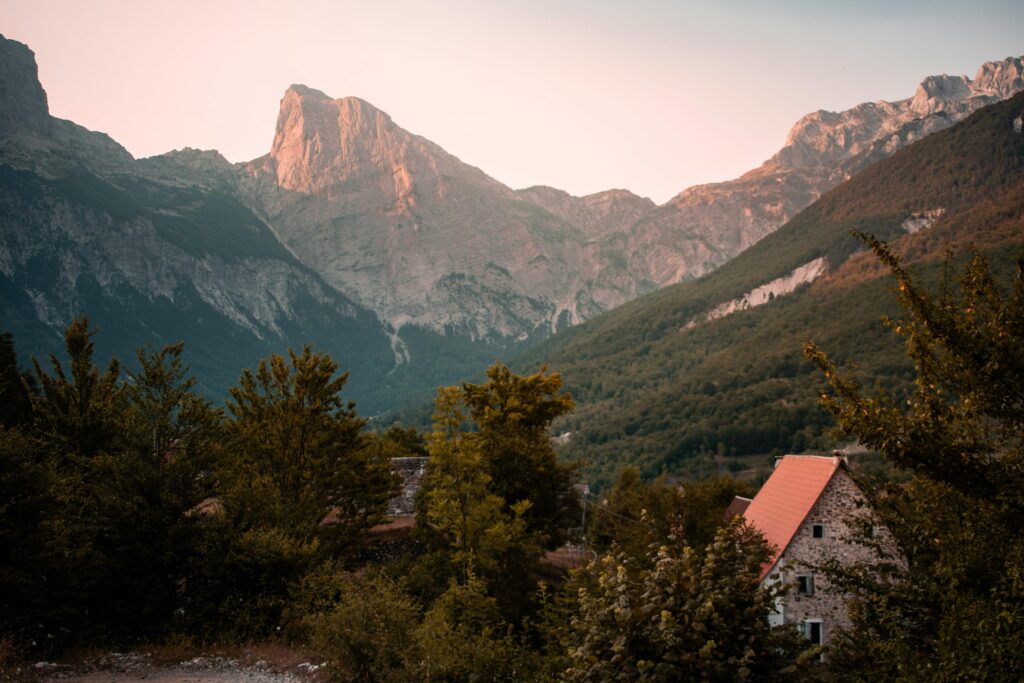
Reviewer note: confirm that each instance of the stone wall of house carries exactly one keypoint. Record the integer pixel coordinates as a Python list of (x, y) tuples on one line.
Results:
[(410, 470), (842, 509)]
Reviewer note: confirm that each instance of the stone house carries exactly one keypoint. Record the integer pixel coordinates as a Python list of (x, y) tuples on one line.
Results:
[(810, 509)]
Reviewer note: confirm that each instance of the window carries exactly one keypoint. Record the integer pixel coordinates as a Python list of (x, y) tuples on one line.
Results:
[(818, 531), (805, 584), (870, 531), (812, 631)]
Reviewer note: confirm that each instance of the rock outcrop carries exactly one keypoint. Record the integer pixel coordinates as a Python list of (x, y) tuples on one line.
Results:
[(32, 139), (23, 105)]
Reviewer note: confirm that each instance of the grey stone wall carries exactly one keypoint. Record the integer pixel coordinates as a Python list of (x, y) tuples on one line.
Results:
[(411, 472), (838, 510)]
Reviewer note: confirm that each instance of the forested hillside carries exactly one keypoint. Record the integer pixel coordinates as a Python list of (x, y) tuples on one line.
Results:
[(661, 385)]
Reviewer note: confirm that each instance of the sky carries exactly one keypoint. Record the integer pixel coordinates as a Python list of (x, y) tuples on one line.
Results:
[(650, 96)]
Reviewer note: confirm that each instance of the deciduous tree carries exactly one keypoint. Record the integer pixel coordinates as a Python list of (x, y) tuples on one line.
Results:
[(474, 531), (684, 616), (513, 415)]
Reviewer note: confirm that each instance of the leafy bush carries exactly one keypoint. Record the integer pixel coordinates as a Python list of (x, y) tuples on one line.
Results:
[(363, 625), (687, 617)]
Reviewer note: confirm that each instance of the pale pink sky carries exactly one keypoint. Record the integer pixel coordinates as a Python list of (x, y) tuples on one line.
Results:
[(648, 95)]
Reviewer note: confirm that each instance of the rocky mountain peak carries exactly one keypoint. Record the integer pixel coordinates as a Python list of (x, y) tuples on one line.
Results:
[(35, 140), (23, 105), (320, 142), (994, 81), (1001, 79), (824, 139), (944, 87), (707, 225)]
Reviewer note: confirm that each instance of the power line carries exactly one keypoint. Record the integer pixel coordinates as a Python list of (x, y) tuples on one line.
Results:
[(605, 510)]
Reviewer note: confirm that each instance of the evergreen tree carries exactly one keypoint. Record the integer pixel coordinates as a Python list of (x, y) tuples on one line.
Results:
[(296, 486), (162, 471), (15, 398), (77, 415), (124, 464), (77, 436), (296, 459)]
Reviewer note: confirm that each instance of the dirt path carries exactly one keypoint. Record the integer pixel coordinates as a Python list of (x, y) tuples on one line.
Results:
[(180, 675), (119, 668)]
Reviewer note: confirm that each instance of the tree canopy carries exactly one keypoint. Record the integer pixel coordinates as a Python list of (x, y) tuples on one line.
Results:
[(296, 458)]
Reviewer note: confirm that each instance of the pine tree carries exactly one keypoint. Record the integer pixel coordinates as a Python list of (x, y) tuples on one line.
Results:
[(124, 463), (77, 415), (15, 398)]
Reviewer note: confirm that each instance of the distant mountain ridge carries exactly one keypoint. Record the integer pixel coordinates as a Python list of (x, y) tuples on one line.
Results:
[(718, 221), (705, 370)]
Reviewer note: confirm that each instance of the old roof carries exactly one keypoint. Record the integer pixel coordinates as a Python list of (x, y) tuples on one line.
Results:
[(736, 508), (784, 501)]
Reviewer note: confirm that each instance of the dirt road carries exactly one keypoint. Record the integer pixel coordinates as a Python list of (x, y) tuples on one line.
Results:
[(120, 668)]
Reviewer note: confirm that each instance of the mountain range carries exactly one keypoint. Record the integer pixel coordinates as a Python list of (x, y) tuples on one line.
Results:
[(689, 378), (413, 268), (398, 224)]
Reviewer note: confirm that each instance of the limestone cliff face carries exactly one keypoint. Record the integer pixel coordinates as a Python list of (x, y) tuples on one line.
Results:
[(706, 225), (23, 105), (400, 225), (85, 234)]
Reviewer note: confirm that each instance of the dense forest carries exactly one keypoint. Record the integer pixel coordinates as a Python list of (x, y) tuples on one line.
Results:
[(132, 511)]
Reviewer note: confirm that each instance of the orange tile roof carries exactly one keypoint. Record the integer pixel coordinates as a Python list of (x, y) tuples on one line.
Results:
[(784, 501)]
